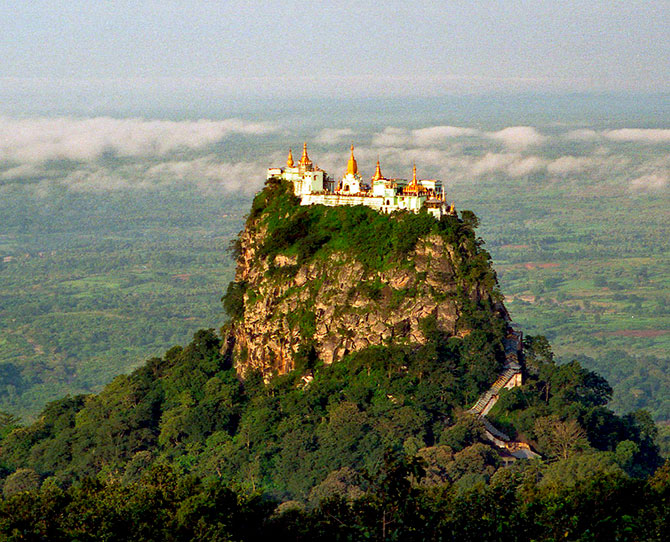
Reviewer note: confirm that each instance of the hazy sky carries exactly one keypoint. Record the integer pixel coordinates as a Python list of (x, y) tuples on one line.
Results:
[(284, 48)]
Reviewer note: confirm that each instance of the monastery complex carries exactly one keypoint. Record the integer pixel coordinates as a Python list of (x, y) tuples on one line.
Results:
[(314, 186)]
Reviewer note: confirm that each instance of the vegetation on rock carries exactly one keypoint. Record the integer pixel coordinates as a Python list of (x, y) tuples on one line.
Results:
[(378, 445), (344, 278), (286, 438)]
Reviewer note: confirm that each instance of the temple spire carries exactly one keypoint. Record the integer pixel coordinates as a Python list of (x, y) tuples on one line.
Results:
[(305, 161), (289, 160), (352, 166), (378, 172), (414, 181)]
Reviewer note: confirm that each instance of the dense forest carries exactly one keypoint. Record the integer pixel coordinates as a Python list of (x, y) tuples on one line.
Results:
[(167, 506), (378, 445), (375, 446)]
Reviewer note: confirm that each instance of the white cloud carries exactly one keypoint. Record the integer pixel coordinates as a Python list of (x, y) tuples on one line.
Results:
[(526, 166), (207, 174), (518, 136), (21, 171), (636, 135), (435, 135), (43, 139), (332, 136), (569, 165), (651, 182), (639, 135), (493, 162), (154, 159), (510, 164), (391, 137), (210, 175)]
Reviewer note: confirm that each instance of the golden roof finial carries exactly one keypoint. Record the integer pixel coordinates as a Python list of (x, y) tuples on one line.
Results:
[(352, 166), (289, 160), (305, 159), (414, 183), (378, 172)]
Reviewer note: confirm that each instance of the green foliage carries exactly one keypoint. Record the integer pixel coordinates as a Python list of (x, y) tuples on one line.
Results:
[(642, 380), (369, 441), (465, 432), (375, 239), (376, 398), (161, 506), (470, 219), (188, 409), (585, 498), (537, 352), (8, 422), (305, 321), (20, 481), (561, 408), (91, 291), (233, 300), (187, 412), (371, 289)]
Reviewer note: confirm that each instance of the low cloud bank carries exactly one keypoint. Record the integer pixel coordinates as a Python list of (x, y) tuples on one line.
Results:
[(650, 183), (512, 136), (150, 154), (464, 155), (33, 149), (652, 136), (44, 139)]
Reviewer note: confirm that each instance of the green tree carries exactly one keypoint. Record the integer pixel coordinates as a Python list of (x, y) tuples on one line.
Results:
[(20, 481)]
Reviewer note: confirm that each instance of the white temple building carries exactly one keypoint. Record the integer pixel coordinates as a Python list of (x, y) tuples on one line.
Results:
[(314, 187)]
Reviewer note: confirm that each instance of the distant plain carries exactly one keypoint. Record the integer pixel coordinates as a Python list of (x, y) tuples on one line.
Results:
[(114, 232)]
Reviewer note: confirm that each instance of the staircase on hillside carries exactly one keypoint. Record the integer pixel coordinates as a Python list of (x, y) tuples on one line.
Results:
[(510, 377)]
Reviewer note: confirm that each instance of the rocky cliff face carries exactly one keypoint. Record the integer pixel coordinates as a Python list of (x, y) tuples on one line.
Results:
[(294, 304)]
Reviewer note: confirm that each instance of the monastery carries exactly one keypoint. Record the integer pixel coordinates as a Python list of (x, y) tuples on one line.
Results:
[(313, 186)]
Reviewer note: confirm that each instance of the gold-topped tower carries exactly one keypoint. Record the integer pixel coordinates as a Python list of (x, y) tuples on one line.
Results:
[(414, 181), (289, 160), (352, 166), (378, 173), (305, 162)]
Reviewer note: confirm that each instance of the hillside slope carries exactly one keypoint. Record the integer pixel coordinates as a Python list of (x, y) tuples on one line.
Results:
[(292, 400)]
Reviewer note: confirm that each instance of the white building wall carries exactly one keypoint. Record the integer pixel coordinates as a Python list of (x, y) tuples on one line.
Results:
[(314, 188), (332, 200), (312, 182), (351, 184), (431, 184)]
